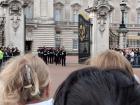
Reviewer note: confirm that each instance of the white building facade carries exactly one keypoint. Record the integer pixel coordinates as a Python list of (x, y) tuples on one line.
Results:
[(54, 23)]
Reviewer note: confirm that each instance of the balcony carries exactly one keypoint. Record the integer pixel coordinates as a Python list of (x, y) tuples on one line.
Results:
[(66, 23), (30, 21)]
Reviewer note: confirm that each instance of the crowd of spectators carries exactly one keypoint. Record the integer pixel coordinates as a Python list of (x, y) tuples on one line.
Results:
[(25, 80), (132, 55), (6, 53)]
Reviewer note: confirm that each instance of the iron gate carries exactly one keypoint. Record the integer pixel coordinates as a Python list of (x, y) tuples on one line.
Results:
[(84, 39)]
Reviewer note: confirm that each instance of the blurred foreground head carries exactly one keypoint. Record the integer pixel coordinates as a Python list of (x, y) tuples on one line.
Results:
[(91, 86), (111, 59), (24, 78)]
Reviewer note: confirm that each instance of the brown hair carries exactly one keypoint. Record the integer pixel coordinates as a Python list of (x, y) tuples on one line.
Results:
[(111, 59), (23, 78)]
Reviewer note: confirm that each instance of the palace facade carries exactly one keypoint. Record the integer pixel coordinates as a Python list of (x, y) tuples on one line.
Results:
[(54, 23)]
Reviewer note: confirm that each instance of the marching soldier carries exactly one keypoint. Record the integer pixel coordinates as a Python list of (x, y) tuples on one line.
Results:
[(56, 56), (63, 57), (39, 53), (51, 56), (48, 55), (45, 55)]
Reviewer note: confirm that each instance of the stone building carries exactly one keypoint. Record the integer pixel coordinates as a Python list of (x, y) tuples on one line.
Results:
[(131, 19), (54, 23)]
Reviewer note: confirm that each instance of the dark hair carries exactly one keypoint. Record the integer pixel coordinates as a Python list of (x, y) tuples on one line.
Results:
[(91, 86)]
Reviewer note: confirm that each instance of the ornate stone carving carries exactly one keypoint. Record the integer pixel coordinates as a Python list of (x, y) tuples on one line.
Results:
[(15, 8), (15, 22), (102, 8)]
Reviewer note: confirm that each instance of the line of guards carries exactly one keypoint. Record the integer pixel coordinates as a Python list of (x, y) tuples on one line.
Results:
[(52, 55)]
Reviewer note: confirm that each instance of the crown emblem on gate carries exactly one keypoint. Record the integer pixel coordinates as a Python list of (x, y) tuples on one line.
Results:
[(82, 31)]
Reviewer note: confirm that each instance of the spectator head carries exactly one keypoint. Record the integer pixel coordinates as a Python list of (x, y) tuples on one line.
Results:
[(25, 78), (91, 86), (111, 59)]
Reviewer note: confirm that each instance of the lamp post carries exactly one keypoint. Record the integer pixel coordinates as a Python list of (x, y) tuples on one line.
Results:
[(122, 28)]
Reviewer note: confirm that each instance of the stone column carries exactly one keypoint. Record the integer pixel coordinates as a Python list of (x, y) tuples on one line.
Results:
[(93, 36), (36, 9), (50, 9), (14, 26), (100, 31), (121, 41)]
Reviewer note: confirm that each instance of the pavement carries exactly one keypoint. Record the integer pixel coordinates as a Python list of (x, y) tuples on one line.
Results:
[(59, 73)]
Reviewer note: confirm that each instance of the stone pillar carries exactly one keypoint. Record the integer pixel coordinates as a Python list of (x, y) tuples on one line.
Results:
[(50, 9), (93, 36), (14, 26), (121, 41), (36, 9), (100, 29)]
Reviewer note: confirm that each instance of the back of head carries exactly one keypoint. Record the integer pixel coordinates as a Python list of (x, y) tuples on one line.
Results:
[(111, 59), (91, 86), (24, 77)]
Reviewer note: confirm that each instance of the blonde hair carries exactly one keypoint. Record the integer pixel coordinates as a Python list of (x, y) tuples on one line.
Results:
[(23, 78), (111, 59)]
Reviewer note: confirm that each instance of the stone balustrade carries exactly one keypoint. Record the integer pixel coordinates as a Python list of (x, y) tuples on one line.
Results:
[(66, 23), (116, 25)]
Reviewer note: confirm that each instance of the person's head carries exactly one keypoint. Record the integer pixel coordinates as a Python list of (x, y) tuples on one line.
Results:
[(91, 86), (25, 78), (111, 59)]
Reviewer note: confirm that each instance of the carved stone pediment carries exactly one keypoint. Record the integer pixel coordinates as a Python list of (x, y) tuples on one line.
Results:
[(15, 8), (58, 5), (76, 6), (102, 8)]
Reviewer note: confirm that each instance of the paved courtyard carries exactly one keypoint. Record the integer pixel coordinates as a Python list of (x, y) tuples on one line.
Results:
[(59, 73)]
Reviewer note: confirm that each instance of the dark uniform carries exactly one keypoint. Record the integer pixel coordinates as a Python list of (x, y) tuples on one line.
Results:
[(56, 57), (63, 57), (45, 56), (51, 56)]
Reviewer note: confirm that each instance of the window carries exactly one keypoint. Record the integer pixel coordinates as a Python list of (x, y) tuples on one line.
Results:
[(138, 17), (58, 11), (29, 12), (58, 40), (57, 15), (43, 8), (75, 43), (75, 16), (126, 17), (75, 11)]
